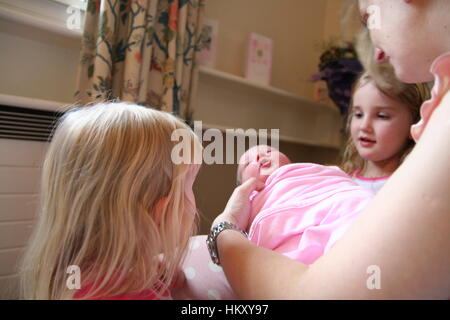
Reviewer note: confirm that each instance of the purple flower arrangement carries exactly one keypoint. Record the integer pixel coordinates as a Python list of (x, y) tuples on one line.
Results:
[(339, 68)]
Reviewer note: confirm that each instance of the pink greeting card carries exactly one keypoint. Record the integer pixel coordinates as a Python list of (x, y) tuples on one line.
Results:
[(259, 59)]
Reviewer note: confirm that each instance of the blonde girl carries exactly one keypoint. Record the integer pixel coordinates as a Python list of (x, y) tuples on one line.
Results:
[(382, 112), (113, 205)]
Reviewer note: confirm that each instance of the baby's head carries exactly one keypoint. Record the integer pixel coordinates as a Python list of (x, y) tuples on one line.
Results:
[(260, 161)]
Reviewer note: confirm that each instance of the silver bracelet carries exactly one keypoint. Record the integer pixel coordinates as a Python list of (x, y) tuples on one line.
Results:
[(212, 237)]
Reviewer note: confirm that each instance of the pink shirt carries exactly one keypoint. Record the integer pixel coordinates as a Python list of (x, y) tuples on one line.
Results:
[(304, 209)]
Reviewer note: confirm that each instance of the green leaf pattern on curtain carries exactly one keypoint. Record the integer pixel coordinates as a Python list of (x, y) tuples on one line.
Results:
[(143, 51)]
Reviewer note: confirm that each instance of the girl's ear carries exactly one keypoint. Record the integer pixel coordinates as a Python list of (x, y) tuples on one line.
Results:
[(159, 207)]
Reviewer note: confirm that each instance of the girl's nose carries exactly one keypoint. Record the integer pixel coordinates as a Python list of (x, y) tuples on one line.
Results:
[(366, 124)]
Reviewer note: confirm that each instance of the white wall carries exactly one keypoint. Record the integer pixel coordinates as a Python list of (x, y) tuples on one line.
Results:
[(20, 168), (341, 20), (296, 27), (37, 64)]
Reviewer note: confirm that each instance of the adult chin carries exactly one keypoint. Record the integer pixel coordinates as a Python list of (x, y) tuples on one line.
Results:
[(419, 73)]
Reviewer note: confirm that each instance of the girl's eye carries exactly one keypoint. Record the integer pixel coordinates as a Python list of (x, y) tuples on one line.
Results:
[(357, 115), (383, 116)]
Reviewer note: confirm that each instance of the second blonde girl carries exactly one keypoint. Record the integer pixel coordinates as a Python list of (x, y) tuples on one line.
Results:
[(113, 204)]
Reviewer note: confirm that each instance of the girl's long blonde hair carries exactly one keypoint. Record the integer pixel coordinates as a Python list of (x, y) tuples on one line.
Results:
[(105, 173)]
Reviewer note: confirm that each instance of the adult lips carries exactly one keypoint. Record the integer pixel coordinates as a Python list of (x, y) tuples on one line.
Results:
[(380, 56)]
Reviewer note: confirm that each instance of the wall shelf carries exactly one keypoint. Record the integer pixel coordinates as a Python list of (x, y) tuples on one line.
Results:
[(226, 101), (271, 90)]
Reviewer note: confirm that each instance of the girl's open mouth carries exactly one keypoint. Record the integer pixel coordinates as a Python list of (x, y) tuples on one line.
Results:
[(365, 142)]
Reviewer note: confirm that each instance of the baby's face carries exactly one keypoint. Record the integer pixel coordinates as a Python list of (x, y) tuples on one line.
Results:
[(264, 159)]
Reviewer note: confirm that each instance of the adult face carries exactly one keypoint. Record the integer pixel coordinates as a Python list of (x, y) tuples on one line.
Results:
[(411, 34)]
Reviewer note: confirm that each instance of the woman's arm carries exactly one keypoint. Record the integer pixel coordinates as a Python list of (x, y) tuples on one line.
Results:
[(257, 273), (405, 232)]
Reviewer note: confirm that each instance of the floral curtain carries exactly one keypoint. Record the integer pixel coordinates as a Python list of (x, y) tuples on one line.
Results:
[(141, 51)]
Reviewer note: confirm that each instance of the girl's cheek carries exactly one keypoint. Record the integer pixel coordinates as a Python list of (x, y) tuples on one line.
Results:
[(353, 129)]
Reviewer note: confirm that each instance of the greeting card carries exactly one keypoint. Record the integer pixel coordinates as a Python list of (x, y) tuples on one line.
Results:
[(259, 59)]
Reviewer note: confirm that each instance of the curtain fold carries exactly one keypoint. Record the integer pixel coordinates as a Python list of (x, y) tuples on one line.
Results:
[(143, 51)]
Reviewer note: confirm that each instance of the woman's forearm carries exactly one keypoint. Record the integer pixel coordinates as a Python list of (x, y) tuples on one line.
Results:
[(255, 272)]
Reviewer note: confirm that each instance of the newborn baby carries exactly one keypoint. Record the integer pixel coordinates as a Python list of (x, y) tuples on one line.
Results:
[(304, 208)]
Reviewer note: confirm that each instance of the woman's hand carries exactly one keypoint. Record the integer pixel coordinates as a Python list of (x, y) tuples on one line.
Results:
[(238, 208), (252, 171)]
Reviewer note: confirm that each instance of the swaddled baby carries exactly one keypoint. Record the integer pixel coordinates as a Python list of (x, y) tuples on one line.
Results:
[(304, 208), (301, 212)]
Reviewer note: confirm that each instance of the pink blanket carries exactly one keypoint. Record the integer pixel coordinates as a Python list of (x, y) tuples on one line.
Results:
[(304, 209)]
